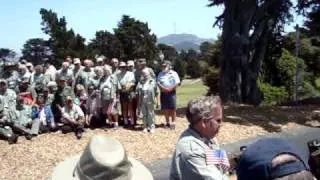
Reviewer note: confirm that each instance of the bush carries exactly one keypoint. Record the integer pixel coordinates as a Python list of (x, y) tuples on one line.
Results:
[(180, 67), (211, 79), (273, 95), (194, 69)]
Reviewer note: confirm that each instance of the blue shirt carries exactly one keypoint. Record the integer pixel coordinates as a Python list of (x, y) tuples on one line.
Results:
[(168, 79)]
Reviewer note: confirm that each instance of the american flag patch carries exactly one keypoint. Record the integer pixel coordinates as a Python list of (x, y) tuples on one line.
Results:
[(217, 157)]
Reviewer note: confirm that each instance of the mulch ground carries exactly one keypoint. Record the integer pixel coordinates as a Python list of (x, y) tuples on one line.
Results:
[(36, 159)]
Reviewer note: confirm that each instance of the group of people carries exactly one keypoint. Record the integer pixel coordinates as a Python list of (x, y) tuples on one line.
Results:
[(198, 155), (39, 99)]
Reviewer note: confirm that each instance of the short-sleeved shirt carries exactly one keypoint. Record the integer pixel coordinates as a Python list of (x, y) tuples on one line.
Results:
[(23, 115), (72, 113), (147, 92), (126, 78), (138, 72), (84, 76), (190, 162), (10, 97), (168, 79), (94, 81), (67, 74), (109, 87)]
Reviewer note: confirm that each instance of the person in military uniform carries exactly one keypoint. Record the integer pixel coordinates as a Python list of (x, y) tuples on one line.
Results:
[(147, 93), (197, 154), (9, 95), (65, 73), (26, 91), (142, 64), (11, 74), (115, 66), (76, 71), (5, 129), (23, 122), (95, 80), (109, 86), (73, 117), (23, 72), (37, 79), (127, 82), (86, 73), (60, 97)]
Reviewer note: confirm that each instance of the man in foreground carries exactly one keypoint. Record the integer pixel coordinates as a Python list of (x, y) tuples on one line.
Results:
[(273, 159), (197, 154)]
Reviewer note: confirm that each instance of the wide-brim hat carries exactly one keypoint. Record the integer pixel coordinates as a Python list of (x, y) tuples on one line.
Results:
[(103, 158)]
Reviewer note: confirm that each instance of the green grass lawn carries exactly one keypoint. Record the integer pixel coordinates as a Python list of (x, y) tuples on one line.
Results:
[(187, 91)]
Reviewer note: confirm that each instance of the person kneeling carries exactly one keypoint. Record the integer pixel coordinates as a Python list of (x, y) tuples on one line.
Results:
[(72, 118), (44, 114)]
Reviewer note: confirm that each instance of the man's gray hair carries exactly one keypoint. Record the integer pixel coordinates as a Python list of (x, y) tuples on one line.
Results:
[(202, 108)]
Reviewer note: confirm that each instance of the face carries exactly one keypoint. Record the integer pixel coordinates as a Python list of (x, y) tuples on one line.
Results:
[(3, 87), (69, 103), (115, 63), (165, 67), (123, 69), (211, 126), (130, 68)]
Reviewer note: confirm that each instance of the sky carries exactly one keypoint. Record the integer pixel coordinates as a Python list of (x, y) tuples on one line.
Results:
[(21, 19)]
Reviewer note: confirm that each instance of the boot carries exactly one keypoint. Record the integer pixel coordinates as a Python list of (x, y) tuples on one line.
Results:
[(28, 136), (13, 139)]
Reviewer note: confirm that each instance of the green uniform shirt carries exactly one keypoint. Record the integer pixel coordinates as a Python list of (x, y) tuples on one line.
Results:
[(23, 115), (189, 160)]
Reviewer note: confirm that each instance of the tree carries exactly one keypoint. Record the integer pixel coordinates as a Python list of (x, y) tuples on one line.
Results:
[(169, 52), (107, 44), (180, 67), (63, 42), (136, 39), (7, 54), (247, 26), (36, 50)]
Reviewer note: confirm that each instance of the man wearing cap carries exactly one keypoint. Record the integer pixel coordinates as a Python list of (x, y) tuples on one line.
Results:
[(103, 158), (11, 75), (66, 73), (37, 80), (86, 73), (30, 67), (73, 116), (115, 66), (49, 72), (127, 82), (197, 154), (60, 97), (69, 60), (100, 62), (23, 72), (273, 159), (168, 80), (142, 64), (76, 71)]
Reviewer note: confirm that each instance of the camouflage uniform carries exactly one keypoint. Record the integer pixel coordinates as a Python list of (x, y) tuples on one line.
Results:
[(23, 120), (59, 99), (5, 130), (11, 75), (84, 77)]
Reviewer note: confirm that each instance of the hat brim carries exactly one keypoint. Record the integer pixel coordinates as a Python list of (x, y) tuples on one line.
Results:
[(65, 170)]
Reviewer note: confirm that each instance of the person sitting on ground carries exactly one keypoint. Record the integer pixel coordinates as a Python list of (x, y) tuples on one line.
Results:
[(26, 91), (23, 122), (6, 131), (103, 158), (273, 159), (44, 113), (72, 118), (147, 93), (127, 82), (197, 154)]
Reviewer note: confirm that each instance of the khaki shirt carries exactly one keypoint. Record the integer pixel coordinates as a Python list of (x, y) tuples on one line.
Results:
[(189, 159)]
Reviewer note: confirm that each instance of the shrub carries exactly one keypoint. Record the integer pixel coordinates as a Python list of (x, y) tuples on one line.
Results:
[(211, 79), (273, 95)]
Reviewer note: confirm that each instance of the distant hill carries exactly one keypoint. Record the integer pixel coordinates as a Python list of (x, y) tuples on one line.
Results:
[(183, 41)]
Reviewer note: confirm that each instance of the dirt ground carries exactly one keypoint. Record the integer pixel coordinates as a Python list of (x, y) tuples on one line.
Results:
[(36, 159)]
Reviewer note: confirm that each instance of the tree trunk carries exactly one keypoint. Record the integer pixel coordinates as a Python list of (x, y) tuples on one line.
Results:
[(243, 53)]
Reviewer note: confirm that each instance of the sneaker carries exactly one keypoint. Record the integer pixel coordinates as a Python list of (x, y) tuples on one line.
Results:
[(116, 127), (28, 136), (172, 126), (145, 130), (13, 139), (152, 130), (79, 134)]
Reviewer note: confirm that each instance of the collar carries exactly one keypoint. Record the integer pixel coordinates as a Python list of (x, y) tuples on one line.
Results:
[(197, 135)]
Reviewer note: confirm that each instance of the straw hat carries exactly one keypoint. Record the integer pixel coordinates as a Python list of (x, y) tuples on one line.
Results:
[(103, 158)]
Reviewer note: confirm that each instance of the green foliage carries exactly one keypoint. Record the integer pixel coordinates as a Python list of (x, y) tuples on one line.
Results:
[(194, 69), (286, 66), (6, 54), (273, 95), (36, 50), (211, 79), (180, 67), (136, 39), (107, 44), (62, 42), (169, 52)]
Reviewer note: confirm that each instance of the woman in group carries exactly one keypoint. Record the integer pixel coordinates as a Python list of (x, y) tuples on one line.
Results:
[(109, 87), (147, 93), (127, 82)]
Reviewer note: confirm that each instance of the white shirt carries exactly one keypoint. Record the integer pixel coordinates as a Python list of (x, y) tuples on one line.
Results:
[(168, 79)]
